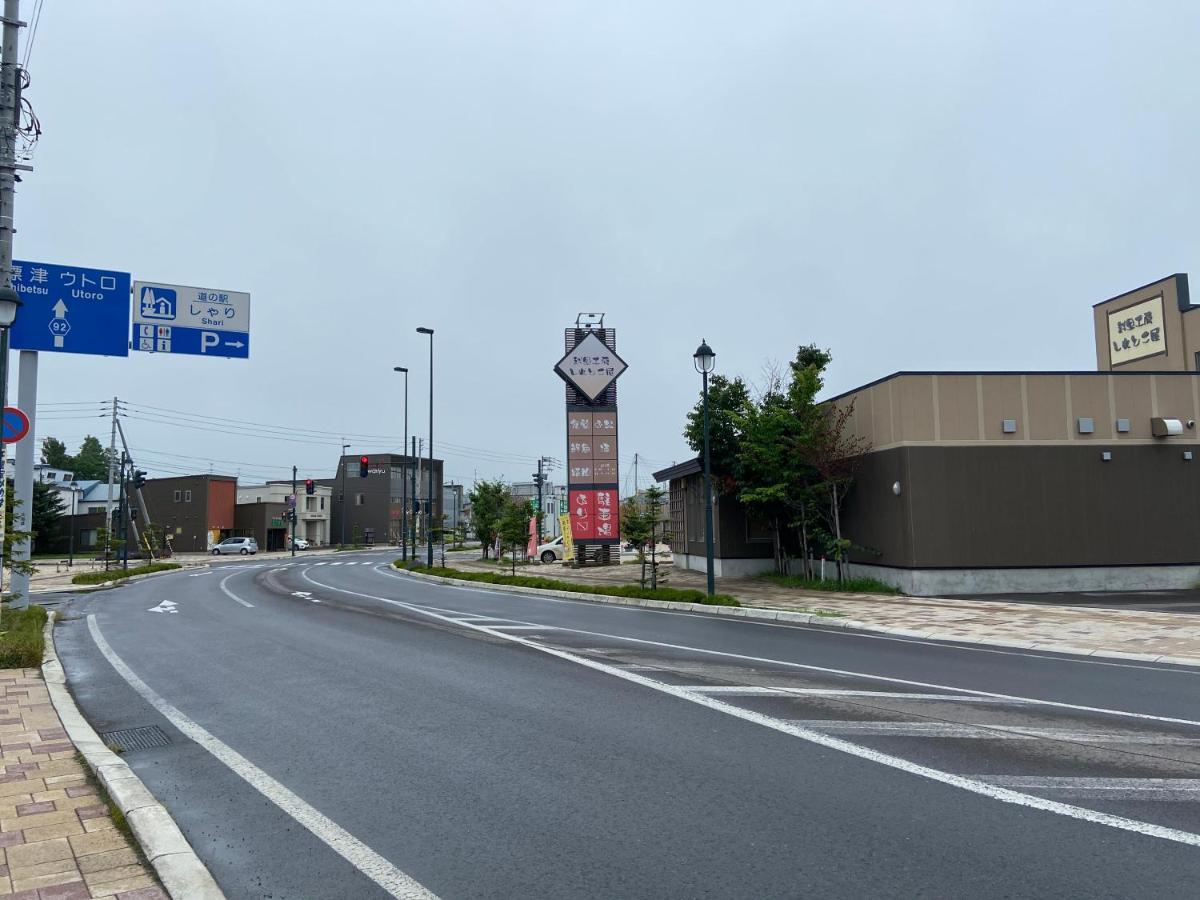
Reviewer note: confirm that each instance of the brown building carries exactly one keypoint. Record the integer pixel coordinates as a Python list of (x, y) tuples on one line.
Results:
[(1017, 481), (196, 511), (371, 509)]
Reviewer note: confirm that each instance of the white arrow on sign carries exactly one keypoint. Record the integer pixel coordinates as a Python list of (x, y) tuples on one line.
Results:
[(305, 595), (60, 309), (59, 326)]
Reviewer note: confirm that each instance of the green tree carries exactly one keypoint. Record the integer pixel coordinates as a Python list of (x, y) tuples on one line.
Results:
[(47, 511), (514, 526), (728, 399), (12, 537), (54, 453), (91, 462), (640, 525), (836, 453), (488, 501)]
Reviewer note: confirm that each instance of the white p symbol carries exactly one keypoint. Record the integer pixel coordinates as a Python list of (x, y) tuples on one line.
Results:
[(208, 339)]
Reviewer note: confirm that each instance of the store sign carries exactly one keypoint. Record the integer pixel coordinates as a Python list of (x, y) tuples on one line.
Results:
[(1136, 332), (590, 368)]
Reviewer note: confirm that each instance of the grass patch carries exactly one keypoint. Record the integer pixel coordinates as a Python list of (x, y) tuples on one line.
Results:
[(120, 574), (848, 585), (676, 595), (21, 642)]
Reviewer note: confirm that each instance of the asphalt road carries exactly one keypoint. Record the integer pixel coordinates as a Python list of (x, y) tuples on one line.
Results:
[(337, 729)]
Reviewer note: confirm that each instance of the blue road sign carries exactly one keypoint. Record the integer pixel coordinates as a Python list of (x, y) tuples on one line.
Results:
[(70, 309), (195, 341), (174, 318)]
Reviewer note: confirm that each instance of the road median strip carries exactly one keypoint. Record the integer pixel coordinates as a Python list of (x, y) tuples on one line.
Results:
[(827, 619)]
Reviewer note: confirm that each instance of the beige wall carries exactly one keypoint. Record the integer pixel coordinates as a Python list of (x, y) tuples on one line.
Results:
[(1181, 328), (948, 409)]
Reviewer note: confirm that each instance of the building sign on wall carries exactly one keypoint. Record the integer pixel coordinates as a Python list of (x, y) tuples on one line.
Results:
[(1136, 332), (590, 369)]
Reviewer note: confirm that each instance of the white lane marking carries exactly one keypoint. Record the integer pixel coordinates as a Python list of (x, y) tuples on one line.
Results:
[(321, 564), (478, 619), (335, 563), (340, 841), (199, 574), (230, 594), (926, 729), (748, 690), (167, 606), (389, 571), (522, 627), (974, 786)]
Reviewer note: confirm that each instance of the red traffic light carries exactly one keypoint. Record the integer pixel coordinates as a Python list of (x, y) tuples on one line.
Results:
[(310, 486), (362, 467)]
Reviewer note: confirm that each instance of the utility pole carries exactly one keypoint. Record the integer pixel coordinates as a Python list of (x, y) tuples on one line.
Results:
[(112, 473), (635, 483), (123, 509), (295, 503), (538, 512), (10, 112), (143, 511)]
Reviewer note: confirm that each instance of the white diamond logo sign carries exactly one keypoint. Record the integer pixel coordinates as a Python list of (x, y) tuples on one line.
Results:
[(590, 367)]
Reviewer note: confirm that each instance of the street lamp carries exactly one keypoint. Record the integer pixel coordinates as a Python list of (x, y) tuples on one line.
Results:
[(345, 447), (403, 472), (705, 360), (10, 302), (429, 509)]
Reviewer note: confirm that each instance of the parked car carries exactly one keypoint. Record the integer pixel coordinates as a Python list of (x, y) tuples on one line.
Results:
[(243, 545), (552, 551), (300, 543)]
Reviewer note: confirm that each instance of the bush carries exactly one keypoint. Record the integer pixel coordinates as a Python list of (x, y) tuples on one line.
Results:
[(21, 642), (847, 585), (120, 574), (673, 595)]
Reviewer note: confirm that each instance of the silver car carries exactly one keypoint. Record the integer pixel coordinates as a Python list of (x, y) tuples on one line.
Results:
[(243, 545)]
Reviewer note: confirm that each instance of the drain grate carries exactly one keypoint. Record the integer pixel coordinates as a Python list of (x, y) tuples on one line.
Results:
[(144, 738)]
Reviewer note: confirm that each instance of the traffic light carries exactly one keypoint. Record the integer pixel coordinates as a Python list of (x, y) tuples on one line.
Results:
[(139, 479), (362, 467), (310, 486)]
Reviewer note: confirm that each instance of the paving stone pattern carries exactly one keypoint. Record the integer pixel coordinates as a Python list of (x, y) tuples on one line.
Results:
[(57, 840)]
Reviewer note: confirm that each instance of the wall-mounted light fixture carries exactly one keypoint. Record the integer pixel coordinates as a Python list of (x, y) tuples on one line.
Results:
[(896, 488), (1106, 456)]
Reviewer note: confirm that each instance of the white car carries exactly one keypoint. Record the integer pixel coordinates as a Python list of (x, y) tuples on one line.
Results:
[(552, 551), (300, 543)]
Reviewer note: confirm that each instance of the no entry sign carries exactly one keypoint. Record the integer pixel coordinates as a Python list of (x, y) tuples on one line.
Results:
[(16, 424)]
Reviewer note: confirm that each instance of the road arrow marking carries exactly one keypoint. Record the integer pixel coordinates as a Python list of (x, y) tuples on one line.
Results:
[(199, 574), (167, 606), (305, 595)]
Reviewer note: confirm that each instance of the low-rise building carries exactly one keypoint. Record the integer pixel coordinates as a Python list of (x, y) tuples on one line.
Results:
[(262, 513), (370, 509), (978, 482), (196, 512)]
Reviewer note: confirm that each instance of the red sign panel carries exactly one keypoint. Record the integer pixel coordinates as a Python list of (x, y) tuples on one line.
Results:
[(595, 515)]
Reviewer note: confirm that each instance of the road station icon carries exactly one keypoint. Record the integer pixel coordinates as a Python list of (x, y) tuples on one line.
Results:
[(590, 367), (156, 302)]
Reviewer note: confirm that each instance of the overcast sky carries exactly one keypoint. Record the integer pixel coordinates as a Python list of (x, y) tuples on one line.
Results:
[(912, 185)]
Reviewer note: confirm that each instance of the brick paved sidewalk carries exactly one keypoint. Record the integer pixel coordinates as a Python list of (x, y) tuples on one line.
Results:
[(57, 839), (1072, 629)]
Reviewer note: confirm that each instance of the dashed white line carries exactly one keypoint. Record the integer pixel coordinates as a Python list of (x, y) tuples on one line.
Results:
[(371, 864), (983, 731), (749, 690)]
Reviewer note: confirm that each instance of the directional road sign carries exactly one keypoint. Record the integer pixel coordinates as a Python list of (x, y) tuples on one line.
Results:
[(16, 425), (70, 309), (172, 318)]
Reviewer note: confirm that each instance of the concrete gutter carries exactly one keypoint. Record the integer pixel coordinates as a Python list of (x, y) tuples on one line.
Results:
[(178, 867), (797, 618)]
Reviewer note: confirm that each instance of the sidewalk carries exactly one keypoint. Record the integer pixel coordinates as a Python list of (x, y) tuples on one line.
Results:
[(1129, 634), (57, 839)]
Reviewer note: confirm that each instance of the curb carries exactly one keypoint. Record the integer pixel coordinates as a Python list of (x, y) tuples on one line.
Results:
[(796, 618), (178, 867)]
